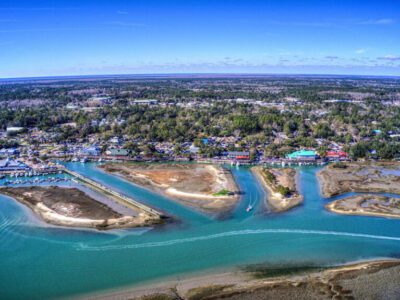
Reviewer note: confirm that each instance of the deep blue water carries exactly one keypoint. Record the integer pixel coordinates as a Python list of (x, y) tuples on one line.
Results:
[(39, 261)]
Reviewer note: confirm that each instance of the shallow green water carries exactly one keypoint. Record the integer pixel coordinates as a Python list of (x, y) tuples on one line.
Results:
[(42, 262)]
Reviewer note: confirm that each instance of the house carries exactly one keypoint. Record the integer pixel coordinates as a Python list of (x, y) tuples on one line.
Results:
[(72, 106), (117, 152), (145, 102), (193, 149), (14, 129), (10, 165), (116, 140), (9, 152), (90, 151), (302, 155), (239, 155), (376, 131), (336, 155)]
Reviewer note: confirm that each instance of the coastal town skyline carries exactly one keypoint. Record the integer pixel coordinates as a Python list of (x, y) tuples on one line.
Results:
[(61, 38)]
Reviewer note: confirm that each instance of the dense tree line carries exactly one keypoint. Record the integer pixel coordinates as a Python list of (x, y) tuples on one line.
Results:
[(302, 124)]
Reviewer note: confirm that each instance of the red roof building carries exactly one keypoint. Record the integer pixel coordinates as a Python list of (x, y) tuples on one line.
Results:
[(336, 155)]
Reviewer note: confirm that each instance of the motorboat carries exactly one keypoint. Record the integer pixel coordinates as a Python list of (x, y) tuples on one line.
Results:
[(249, 208)]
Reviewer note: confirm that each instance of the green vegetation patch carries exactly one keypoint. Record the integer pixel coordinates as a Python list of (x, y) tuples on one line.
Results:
[(339, 165), (272, 270), (283, 190), (204, 292), (223, 192), (268, 176), (158, 297)]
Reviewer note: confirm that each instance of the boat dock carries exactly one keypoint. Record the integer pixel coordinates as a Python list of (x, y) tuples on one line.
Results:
[(125, 200)]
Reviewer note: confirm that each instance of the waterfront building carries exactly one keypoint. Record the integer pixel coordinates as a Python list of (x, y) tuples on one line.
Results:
[(117, 152), (90, 151), (302, 155), (239, 155), (11, 165), (336, 155)]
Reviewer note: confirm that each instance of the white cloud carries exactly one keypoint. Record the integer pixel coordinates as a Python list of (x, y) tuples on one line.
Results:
[(390, 57), (382, 21), (361, 51)]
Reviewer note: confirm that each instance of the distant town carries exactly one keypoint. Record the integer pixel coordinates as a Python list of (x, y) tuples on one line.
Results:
[(250, 120)]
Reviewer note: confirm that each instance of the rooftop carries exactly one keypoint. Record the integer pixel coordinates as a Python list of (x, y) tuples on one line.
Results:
[(302, 153)]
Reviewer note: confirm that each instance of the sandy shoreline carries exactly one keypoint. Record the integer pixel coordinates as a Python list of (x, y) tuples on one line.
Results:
[(367, 205), (208, 188), (71, 207), (276, 200), (336, 179), (350, 280)]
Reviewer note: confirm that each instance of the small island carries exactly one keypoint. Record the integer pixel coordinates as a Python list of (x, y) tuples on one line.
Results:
[(281, 187), (339, 178), (367, 205), (209, 188), (72, 207)]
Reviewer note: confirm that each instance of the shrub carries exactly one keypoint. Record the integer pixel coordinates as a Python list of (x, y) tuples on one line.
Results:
[(285, 191)]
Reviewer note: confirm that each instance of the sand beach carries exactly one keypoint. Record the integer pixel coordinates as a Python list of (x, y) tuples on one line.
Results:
[(209, 188)]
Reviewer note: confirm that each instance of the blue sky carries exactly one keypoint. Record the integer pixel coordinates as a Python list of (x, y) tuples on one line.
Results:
[(49, 38)]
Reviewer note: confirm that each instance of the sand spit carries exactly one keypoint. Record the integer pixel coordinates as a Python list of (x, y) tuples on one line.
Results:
[(206, 187), (271, 179), (366, 280), (339, 178), (367, 205), (71, 207)]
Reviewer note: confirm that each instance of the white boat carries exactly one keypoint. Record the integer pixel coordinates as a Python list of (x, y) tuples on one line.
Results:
[(237, 164), (249, 208), (84, 160)]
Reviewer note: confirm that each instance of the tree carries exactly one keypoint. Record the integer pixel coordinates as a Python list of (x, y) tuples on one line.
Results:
[(359, 150)]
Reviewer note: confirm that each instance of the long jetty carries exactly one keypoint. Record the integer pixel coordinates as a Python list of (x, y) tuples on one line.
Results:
[(125, 200)]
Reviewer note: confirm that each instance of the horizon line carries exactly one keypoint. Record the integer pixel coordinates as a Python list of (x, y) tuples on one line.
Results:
[(191, 75)]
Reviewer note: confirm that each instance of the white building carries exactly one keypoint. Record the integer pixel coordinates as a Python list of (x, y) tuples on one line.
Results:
[(15, 129)]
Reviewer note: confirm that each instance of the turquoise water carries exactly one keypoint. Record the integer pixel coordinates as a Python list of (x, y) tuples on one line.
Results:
[(41, 262)]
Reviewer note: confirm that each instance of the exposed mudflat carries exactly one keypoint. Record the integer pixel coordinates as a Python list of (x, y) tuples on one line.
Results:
[(367, 280), (336, 179), (367, 205)]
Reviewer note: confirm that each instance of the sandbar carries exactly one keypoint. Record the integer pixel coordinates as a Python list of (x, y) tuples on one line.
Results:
[(72, 207), (272, 180), (206, 187)]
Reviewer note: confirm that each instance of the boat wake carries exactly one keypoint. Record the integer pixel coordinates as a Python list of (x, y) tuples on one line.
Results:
[(84, 247)]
